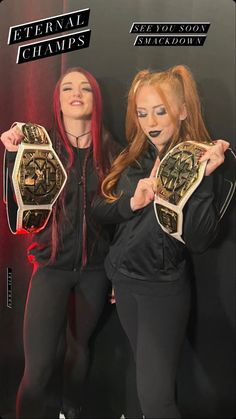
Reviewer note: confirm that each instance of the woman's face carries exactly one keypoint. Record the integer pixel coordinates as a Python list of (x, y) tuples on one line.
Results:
[(153, 117), (76, 96)]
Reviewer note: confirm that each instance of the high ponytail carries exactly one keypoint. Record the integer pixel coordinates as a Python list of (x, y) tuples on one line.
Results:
[(193, 127), (179, 82)]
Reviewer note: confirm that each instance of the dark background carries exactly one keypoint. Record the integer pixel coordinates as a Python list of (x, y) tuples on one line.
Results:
[(206, 384)]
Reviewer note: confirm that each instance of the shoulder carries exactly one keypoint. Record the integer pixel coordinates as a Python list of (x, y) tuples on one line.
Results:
[(225, 181), (110, 147), (227, 170)]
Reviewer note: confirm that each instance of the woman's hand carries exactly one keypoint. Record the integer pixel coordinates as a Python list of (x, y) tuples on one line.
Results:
[(215, 156), (12, 138), (112, 298), (145, 190)]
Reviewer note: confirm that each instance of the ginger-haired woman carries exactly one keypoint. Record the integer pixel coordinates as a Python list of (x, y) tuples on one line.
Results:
[(151, 270)]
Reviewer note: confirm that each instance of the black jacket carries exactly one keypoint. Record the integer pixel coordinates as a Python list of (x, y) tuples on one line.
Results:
[(140, 249), (70, 220)]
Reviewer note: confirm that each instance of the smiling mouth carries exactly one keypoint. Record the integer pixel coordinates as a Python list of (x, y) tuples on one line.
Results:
[(76, 103), (154, 134)]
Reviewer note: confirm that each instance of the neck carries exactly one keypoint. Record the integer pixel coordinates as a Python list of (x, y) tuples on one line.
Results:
[(78, 132), (159, 147)]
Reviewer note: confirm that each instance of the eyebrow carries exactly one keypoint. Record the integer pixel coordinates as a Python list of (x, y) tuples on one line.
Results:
[(154, 107), (70, 82)]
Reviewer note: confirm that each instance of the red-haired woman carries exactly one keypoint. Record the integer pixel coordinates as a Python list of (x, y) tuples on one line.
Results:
[(68, 254), (149, 268)]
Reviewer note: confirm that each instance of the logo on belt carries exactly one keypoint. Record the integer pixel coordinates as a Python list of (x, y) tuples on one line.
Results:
[(38, 178), (179, 174)]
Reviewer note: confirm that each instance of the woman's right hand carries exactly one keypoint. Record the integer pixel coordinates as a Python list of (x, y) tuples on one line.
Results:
[(12, 138), (145, 190), (144, 193)]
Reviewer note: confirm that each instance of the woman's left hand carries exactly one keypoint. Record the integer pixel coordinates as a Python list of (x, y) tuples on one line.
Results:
[(112, 298), (215, 155)]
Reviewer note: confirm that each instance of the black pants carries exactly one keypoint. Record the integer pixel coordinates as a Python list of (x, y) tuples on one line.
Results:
[(45, 330), (155, 322)]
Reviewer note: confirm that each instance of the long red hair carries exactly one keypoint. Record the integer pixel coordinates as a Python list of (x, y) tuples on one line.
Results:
[(96, 120), (63, 142), (179, 81)]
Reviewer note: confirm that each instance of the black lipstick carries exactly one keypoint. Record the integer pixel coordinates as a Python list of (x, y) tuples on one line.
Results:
[(154, 133)]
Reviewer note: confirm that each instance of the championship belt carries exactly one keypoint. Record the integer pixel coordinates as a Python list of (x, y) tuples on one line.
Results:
[(38, 178), (179, 174)]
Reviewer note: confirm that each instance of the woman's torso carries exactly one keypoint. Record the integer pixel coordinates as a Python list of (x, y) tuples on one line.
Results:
[(141, 250), (71, 237)]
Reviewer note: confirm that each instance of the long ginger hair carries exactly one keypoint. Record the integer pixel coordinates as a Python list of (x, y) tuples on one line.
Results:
[(179, 81)]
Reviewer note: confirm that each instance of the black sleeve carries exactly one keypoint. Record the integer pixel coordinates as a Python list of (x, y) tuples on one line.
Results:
[(201, 217), (119, 210), (225, 179), (112, 213), (208, 204)]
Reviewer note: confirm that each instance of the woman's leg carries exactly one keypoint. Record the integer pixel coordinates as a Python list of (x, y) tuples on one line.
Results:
[(160, 324), (90, 295), (45, 315)]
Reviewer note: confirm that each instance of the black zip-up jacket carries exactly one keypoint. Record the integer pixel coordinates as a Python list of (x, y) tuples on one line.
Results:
[(70, 220), (140, 249)]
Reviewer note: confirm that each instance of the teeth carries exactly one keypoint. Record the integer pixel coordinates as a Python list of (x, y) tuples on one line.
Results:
[(76, 103)]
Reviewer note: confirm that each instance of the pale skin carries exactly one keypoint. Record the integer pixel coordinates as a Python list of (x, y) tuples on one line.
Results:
[(158, 127), (76, 99)]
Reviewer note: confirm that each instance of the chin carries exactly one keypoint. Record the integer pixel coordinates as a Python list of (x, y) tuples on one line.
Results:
[(77, 115), (159, 144)]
